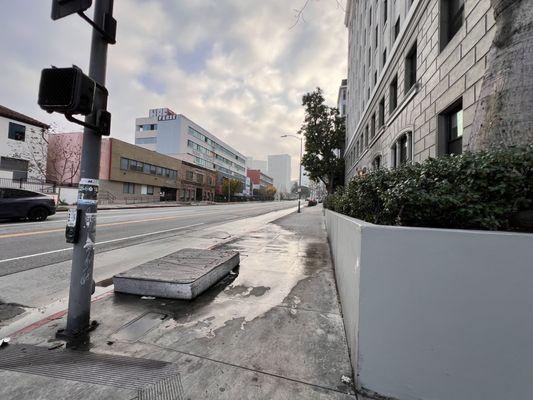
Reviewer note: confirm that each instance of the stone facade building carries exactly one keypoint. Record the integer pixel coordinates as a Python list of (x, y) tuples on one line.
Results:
[(414, 77)]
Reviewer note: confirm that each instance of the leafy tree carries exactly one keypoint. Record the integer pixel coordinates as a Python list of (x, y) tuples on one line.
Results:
[(324, 131), (270, 191), (266, 193), (235, 186)]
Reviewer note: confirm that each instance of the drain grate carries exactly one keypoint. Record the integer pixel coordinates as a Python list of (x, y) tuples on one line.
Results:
[(151, 379), (167, 389)]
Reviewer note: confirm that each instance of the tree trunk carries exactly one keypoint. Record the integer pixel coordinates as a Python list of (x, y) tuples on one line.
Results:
[(504, 113)]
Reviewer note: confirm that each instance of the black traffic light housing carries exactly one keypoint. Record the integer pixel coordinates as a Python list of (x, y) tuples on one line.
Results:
[(66, 91), (62, 8), (70, 92)]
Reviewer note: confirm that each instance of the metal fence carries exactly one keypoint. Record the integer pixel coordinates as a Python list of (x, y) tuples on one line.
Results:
[(34, 185)]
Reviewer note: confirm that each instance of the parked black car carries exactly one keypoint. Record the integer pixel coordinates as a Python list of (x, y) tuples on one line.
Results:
[(19, 203)]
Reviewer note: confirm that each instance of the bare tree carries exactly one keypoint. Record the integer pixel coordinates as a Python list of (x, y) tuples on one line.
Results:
[(50, 158), (34, 150), (299, 12), (64, 159), (504, 114)]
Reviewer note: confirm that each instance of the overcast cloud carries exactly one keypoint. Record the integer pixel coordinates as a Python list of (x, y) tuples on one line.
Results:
[(233, 66)]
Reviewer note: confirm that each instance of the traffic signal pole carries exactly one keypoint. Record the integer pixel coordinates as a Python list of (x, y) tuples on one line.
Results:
[(81, 279)]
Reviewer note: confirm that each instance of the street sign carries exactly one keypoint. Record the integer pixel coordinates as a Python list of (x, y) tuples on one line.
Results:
[(62, 8)]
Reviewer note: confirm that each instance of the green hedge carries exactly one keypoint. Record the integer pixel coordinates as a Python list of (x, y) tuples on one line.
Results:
[(482, 190)]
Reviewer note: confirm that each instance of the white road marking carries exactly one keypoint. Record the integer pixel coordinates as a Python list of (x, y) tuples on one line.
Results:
[(104, 242), (105, 215)]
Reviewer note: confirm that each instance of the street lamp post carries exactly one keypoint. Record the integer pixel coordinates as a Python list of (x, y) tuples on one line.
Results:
[(301, 139)]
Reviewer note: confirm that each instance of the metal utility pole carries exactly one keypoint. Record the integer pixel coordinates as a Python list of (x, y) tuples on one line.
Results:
[(301, 139), (81, 279), (300, 175)]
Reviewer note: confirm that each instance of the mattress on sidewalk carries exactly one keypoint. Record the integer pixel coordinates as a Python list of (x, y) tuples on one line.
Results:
[(180, 275)]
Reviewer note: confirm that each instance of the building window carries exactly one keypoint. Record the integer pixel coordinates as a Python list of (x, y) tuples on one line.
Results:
[(375, 77), (17, 166), (124, 163), (373, 126), (370, 17), (128, 188), (376, 37), (136, 165), (451, 19), (369, 57), (451, 130), (189, 175), (17, 132), (366, 136), (200, 178), (147, 189), (147, 127), (376, 163), (396, 29), (410, 68), (357, 149), (148, 140), (401, 150), (381, 113), (362, 142), (393, 95), (384, 57), (385, 10)]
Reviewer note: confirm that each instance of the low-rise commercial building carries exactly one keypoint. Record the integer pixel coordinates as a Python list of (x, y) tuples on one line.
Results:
[(260, 181), (196, 183), (130, 173)]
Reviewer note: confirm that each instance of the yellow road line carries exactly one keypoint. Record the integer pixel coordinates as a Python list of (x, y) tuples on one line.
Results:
[(22, 234)]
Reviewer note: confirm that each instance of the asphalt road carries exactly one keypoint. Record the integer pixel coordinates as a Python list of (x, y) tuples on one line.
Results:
[(30, 245)]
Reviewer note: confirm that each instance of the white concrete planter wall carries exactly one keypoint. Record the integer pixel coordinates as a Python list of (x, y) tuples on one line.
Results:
[(435, 313)]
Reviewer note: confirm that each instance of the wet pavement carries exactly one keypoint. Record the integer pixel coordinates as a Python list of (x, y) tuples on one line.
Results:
[(272, 329)]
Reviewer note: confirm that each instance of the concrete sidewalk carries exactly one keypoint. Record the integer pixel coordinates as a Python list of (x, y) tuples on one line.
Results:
[(271, 330)]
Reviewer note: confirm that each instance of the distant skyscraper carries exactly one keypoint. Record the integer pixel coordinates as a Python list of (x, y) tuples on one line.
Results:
[(279, 168), (256, 164)]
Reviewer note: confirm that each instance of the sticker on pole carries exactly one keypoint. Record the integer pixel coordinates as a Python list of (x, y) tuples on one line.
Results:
[(72, 217), (88, 191)]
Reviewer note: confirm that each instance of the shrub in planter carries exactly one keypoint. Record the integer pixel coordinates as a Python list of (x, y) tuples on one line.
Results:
[(486, 190)]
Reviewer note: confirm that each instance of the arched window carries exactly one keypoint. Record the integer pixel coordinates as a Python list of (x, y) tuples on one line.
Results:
[(401, 150)]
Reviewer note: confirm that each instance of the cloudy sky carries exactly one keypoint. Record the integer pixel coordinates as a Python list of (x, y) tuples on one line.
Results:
[(236, 67)]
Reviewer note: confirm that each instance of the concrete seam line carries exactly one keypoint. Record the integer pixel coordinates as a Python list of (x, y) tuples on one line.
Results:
[(247, 368)]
